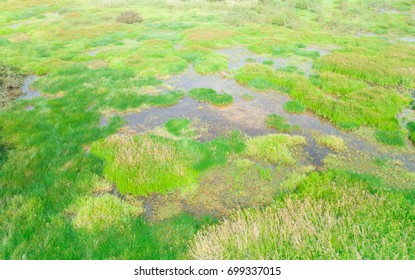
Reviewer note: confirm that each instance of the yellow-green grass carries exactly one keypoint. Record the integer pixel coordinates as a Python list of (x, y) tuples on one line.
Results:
[(278, 149), (278, 122), (325, 220), (332, 142), (98, 213)]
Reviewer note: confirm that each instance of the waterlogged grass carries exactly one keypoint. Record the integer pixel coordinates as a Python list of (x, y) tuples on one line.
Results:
[(332, 142), (275, 148), (293, 107), (211, 96), (323, 219), (56, 190), (371, 106)]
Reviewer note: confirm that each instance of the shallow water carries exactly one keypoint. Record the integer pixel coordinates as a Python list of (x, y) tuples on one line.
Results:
[(408, 39), (240, 56), (27, 92)]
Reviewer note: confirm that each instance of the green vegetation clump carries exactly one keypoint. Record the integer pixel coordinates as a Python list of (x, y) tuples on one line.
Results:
[(144, 165), (179, 126), (392, 138), (211, 96), (411, 128), (327, 220), (98, 213), (293, 107), (247, 97), (275, 148), (278, 122), (129, 17), (332, 142)]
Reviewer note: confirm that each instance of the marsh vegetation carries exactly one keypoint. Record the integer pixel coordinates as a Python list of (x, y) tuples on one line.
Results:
[(272, 129)]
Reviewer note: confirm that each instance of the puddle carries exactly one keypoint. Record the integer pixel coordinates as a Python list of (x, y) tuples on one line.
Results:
[(93, 53), (27, 92), (408, 39), (240, 56)]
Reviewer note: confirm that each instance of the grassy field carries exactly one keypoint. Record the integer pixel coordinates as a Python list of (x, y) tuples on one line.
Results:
[(236, 175)]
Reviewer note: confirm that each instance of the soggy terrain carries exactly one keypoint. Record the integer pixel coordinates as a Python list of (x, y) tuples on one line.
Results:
[(206, 129)]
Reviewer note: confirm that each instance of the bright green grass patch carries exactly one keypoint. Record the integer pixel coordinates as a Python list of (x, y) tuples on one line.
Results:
[(143, 165), (211, 96), (325, 219), (332, 142), (98, 213), (268, 62), (275, 148), (179, 126), (293, 107), (278, 122), (392, 138)]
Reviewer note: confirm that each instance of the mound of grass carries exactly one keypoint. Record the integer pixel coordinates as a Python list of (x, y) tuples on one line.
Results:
[(332, 142), (278, 122), (129, 17), (205, 61), (275, 148), (98, 213), (268, 62), (391, 138), (145, 164), (324, 220), (293, 107), (211, 96), (178, 127)]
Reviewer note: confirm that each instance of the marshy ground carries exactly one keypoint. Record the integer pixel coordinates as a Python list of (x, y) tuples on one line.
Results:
[(207, 129)]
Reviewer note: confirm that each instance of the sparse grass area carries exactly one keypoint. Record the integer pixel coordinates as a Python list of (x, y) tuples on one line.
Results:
[(332, 142), (293, 107), (211, 96), (10, 84), (324, 219)]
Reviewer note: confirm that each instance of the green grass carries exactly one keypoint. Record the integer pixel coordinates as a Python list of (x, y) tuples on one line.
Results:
[(278, 122), (411, 128), (327, 220), (392, 138), (211, 96), (178, 126), (293, 107)]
